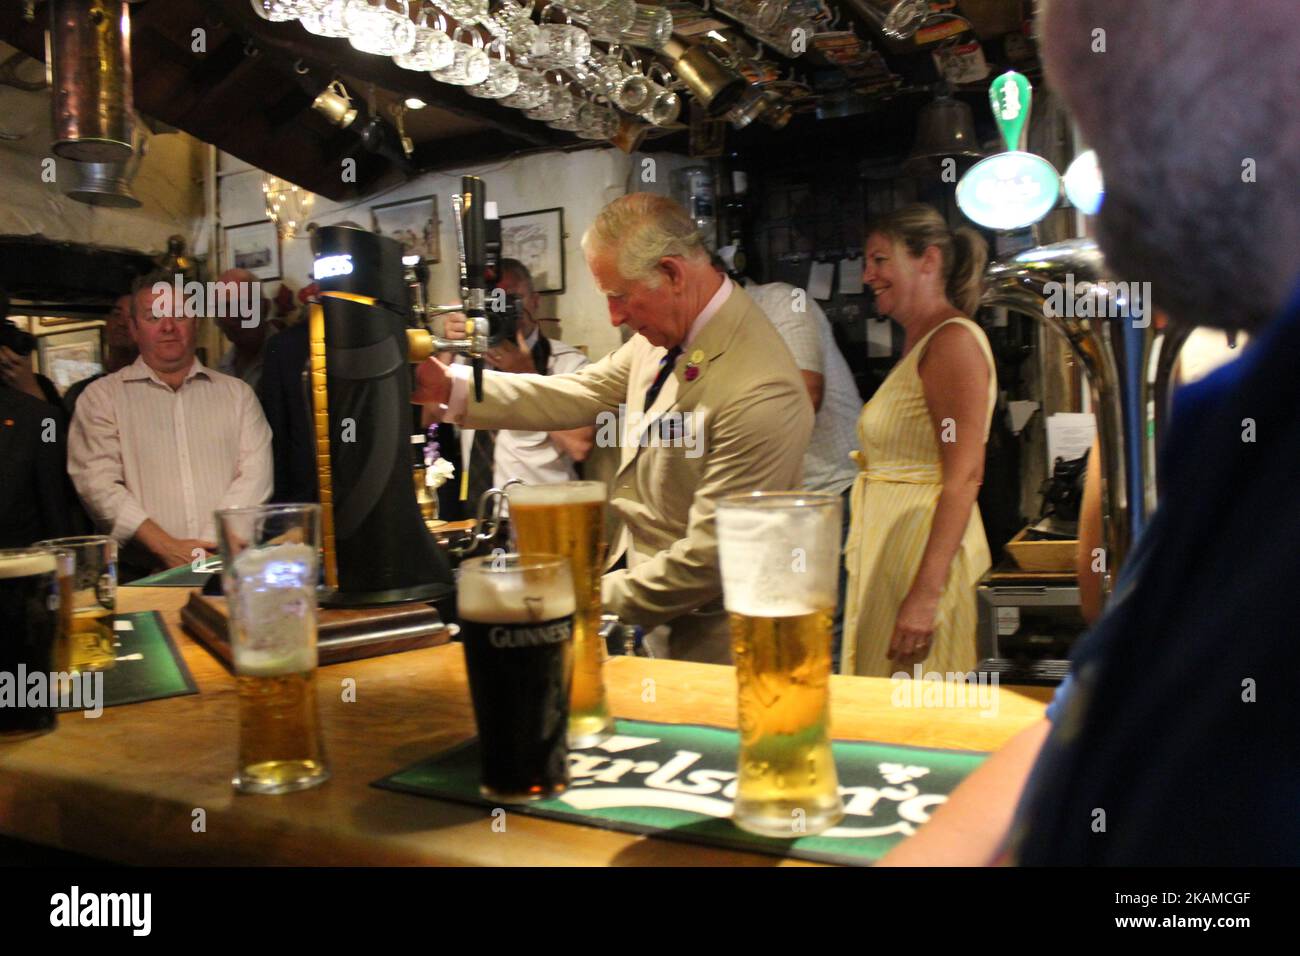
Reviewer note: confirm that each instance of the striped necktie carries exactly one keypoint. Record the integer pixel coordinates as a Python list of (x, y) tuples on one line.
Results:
[(665, 369)]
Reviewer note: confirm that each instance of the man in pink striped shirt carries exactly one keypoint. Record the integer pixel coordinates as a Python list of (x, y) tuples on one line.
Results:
[(157, 447)]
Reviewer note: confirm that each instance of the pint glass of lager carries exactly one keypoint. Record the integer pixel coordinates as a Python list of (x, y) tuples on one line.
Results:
[(270, 565), (94, 600), (780, 558), (516, 617), (29, 624), (568, 518)]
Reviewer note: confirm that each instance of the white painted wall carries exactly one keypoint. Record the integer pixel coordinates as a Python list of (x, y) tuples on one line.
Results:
[(580, 182), (168, 184)]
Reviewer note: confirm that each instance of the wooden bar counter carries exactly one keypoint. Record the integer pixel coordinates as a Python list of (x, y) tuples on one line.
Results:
[(126, 786)]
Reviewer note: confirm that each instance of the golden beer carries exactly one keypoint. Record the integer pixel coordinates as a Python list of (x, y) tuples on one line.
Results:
[(270, 563), (568, 518), (88, 598), (787, 784), (779, 557), (280, 746), (90, 639), (67, 569)]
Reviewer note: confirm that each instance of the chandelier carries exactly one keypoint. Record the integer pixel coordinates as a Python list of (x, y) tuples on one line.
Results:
[(287, 205)]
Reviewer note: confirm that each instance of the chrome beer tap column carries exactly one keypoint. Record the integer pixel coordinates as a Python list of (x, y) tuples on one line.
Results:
[(1128, 360)]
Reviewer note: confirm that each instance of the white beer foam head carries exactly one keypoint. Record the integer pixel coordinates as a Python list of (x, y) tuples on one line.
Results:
[(507, 598), (778, 563), (511, 595), (22, 565), (276, 594), (558, 493)]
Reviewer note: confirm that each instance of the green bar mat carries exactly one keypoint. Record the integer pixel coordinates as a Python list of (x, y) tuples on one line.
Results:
[(182, 576), (148, 666), (672, 781)]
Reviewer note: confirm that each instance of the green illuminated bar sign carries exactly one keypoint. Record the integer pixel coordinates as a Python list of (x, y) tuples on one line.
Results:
[(1013, 189)]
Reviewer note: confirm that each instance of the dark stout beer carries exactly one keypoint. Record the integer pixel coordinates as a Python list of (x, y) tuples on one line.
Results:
[(517, 627), (29, 628)]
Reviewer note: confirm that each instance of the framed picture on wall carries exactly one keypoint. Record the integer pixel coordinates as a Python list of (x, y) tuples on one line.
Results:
[(254, 246), (413, 223), (68, 357), (537, 240)]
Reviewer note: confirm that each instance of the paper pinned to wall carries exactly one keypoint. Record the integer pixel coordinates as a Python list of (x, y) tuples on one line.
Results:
[(851, 276), (1069, 435), (820, 277), (880, 338)]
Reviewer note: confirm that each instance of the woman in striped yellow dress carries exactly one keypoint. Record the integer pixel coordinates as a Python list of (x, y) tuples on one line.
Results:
[(916, 545)]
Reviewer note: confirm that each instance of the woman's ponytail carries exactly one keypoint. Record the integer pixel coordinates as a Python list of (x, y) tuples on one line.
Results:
[(970, 255)]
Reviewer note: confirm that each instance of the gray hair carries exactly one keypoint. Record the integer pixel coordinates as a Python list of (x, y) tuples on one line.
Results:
[(640, 229), (1183, 107)]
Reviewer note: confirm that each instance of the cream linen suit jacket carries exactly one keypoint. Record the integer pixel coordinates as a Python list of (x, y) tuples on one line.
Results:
[(737, 386)]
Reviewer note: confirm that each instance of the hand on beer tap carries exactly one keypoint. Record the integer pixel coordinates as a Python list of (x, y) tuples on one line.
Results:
[(454, 326)]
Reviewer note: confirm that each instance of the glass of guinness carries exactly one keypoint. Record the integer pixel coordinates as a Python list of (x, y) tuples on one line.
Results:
[(779, 554), (94, 600), (29, 627), (270, 566), (516, 616), (568, 518)]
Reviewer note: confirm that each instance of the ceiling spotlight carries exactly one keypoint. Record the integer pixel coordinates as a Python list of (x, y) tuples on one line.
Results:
[(415, 103), (335, 105)]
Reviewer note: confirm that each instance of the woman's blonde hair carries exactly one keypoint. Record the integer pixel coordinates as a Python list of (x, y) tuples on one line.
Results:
[(963, 251), (640, 229)]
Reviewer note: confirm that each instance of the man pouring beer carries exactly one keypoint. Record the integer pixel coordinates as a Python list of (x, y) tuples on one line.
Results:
[(703, 402)]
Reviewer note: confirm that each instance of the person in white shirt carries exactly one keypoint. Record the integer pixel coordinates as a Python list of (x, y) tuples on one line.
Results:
[(827, 466), (157, 447), (535, 457)]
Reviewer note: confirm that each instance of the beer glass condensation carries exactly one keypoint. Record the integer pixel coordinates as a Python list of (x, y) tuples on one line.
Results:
[(270, 563), (517, 621), (779, 554), (568, 518), (29, 627), (94, 600)]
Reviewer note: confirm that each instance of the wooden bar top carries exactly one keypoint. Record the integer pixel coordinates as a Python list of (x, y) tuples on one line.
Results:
[(126, 786)]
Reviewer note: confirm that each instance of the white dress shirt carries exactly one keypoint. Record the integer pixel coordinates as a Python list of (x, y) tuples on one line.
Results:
[(137, 449), (826, 466), (535, 457)]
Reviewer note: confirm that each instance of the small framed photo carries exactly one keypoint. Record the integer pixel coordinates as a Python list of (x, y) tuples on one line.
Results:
[(537, 240), (68, 357), (254, 246), (413, 223)]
